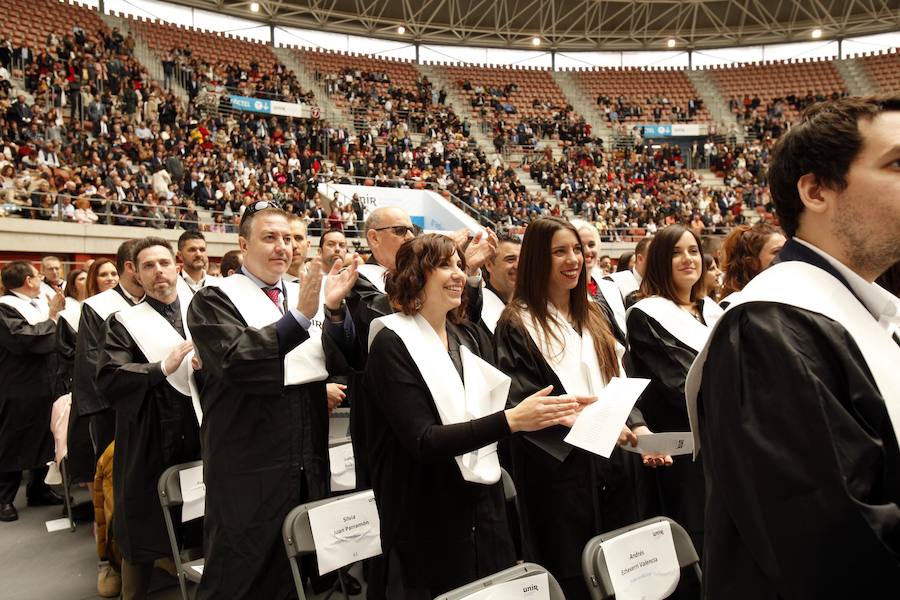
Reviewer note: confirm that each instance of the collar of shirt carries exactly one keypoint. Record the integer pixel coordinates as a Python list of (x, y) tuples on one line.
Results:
[(28, 299), (262, 284), (129, 297), (170, 309), (191, 282), (883, 306)]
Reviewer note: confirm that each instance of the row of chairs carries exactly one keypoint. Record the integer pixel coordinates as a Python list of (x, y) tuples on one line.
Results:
[(298, 542)]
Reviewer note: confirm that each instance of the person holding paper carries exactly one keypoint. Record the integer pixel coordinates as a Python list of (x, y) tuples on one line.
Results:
[(265, 414), (144, 370), (552, 335), (799, 384), (436, 414), (667, 327)]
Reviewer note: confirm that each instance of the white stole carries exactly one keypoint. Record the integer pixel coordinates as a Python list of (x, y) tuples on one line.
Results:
[(680, 323), (491, 309), (626, 281), (106, 303), (303, 364), (156, 338), (31, 313), (572, 357), (374, 274), (613, 297), (72, 313), (484, 391), (810, 288)]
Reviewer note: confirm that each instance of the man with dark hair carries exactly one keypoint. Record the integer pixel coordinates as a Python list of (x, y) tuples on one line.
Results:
[(194, 261), (265, 419), (299, 247), (501, 280), (231, 263), (332, 246), (87, 401), (27, 345), (795, 401), (145, 371)]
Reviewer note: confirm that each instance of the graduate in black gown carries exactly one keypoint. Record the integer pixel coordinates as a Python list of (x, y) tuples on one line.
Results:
[(265, 414), (667, 327), (500, 283), (67, 329), (27, 347), (436, 412), (551, 334), (796, 398), (110, 288), (602, 291), (144, 370), (747, 251)]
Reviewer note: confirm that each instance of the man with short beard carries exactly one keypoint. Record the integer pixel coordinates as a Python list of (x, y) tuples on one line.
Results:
[(195, 262)]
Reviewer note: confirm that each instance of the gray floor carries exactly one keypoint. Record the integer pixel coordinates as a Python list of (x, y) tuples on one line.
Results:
[(37, 565)]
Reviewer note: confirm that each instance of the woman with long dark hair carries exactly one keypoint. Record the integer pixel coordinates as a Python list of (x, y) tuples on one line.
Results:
[(667, 328), (552, 334), (436, 414), (747, 251), (66, 329)]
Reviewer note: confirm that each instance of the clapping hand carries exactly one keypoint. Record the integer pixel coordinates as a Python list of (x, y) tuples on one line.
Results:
[(480, 250), (340, 281)]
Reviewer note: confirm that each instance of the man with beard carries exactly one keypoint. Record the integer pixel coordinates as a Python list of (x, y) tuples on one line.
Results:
[(501, 281), (195, 262)]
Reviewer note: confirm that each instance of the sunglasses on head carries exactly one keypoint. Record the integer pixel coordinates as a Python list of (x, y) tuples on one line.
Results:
[(259, 205), (400, 230)]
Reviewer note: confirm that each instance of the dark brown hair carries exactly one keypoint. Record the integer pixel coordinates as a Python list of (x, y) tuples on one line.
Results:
[(415, 261), (657, 279), (92, 288), (70, 283), (740, 255), (531, 294), (825, 142)]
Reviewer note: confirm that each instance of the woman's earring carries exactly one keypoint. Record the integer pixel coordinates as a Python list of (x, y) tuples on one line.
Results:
[(418, 304)]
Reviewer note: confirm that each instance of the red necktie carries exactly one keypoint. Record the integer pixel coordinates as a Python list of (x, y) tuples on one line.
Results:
[(273, 294)]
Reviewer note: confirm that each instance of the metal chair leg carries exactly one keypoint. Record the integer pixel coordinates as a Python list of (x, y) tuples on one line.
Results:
[(64, 468)]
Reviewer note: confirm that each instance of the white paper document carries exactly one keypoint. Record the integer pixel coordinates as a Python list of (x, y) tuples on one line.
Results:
[(599, 425), (533, 587), (57, 525), (642, 563), (193, 493), (198, 569), (345, 531), (672, 443), (343, 468)]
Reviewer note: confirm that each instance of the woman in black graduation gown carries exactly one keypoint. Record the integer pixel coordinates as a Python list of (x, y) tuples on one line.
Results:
[(435, 472), (76, 292), (81, 455), (667, 328), (568, 495)]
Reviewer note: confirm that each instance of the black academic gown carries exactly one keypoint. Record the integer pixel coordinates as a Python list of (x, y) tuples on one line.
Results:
[(437, 529), (653, 353), (65, 357), (155, 428), (569, 496), (89, 408), (27, 359), (801, 459), (607, 311), (80, 449), (265, 449)]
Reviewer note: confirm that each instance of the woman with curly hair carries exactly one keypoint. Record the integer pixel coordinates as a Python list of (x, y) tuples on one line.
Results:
[(747, 251)]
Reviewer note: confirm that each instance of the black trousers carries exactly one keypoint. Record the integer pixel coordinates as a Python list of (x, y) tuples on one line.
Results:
[(11, 480)]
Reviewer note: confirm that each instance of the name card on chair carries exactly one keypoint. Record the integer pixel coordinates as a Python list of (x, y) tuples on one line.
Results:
[(642, 563), (533, 587), (193, 493), (345, 531), (343, 468)]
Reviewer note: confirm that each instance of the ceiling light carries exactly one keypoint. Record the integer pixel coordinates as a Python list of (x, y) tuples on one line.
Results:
[(254, 7), (816, 34), (535, 41), (670, 43), (401, 30)]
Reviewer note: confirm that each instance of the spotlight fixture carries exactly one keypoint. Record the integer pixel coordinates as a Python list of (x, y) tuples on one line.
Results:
[(670, 42), (254, 7), (816, 34), (401, 30), (535, 41)]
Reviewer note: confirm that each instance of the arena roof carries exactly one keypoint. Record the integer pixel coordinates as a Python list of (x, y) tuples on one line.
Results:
[(577, 25)]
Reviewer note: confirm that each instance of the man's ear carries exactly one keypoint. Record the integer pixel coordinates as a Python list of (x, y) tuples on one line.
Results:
[(813, 194)]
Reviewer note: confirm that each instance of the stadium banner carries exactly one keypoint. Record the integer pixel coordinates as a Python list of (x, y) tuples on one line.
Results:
[(269, 107), (660, 130), (426, 209)]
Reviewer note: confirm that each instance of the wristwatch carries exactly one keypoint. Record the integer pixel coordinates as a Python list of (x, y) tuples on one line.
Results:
[(339, 312)]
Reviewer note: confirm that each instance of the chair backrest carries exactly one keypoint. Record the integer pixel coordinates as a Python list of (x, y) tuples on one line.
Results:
[(169, 485), (296, 531), (593, 561), (510, 574)]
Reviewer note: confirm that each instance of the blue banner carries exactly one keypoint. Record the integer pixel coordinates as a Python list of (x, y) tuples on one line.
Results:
[(656, 130), (250, 104)]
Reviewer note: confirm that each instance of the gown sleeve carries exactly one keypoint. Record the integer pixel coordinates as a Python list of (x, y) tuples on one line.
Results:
[(17, 336), (123, 375), (799, 447), (404, 399)]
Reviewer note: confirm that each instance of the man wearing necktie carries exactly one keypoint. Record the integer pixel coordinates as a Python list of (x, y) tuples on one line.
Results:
[(156, 426)]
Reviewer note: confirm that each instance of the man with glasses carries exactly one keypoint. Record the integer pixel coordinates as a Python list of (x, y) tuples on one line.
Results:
[(27, 345), (265, 419)]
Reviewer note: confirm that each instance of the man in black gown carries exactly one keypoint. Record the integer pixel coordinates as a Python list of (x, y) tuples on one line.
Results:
[(798, 401), (138, 370), (265, 442), (27, 347)]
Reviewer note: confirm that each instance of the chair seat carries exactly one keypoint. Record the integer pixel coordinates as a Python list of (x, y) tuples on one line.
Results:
[(190, 573)]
